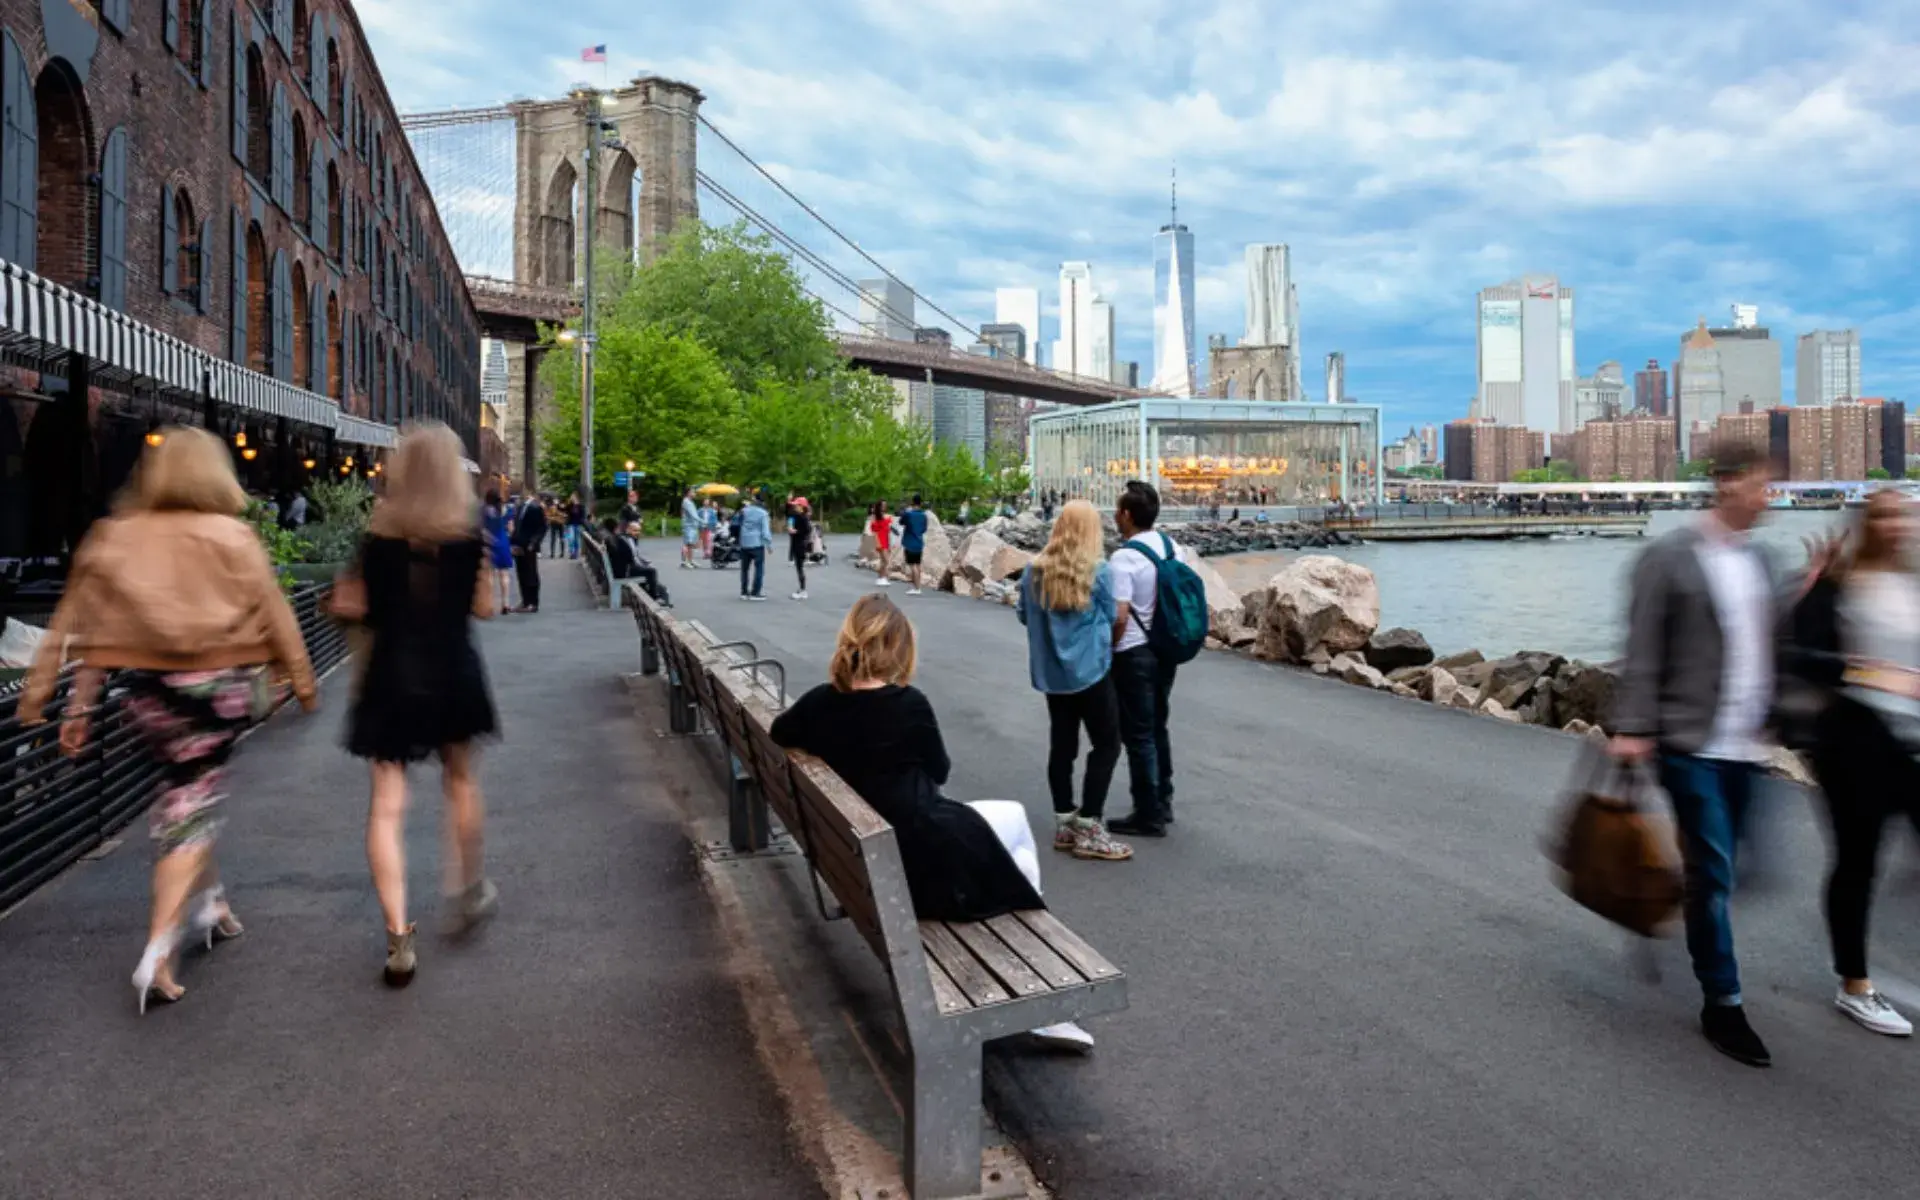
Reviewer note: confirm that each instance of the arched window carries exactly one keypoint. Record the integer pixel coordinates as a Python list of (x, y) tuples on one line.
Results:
[(302, 175), (179, 246), (259, 303), (112, 241), (379, 378), (65, 184), (336, 99), (335, 359), (259, 122), (336, 241), (299, 49), (302, 332)]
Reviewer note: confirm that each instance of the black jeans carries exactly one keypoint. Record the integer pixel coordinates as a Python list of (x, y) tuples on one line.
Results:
[(1096, 709), (556, 541), (649, 577), (527, 565), (753, 562), (1142, 685), (1866, 775), (800, 567)]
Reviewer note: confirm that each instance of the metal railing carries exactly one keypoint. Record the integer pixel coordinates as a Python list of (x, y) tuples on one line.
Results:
[(55, 810)]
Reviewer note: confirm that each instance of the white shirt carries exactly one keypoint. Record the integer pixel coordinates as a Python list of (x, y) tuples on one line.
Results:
[(1135, 580), (1743, 602), (1880, 620)]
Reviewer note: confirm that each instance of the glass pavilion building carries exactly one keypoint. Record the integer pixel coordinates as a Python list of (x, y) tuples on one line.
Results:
[(1211, 451)]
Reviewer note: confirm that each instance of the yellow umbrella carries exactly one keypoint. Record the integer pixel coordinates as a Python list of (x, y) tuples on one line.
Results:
[(717, 489)]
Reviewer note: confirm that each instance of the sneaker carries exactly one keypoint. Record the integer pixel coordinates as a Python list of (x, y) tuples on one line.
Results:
[(1872, 1010), (1064, 835), (1133, 825), (400, 958), (1725, 1026), (758, 599), (886, 583), (1065, 1036), (1091, 840), (800, 595), (472, 907), (913, 591)]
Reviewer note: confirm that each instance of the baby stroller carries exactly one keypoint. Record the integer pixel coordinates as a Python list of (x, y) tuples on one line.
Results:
[(726, 547), (817, 549)]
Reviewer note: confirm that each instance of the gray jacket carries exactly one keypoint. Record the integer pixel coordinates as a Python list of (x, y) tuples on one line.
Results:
[(1669, 686)]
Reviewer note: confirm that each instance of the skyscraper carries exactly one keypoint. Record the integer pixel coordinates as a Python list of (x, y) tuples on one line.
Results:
[(1650, 390), (1102, 362), (1173, 345), (1826, 367), (1020, 306), (1073, 351), (886, 309), (1702, 393), (1525, 338), (1749, 361), (1336, 378)]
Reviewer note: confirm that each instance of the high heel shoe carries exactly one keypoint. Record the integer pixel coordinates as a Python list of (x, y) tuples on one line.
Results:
[(214, 918), (158, 952)]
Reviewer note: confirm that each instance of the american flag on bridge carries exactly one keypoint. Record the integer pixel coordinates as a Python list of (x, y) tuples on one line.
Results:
[(594, 53)]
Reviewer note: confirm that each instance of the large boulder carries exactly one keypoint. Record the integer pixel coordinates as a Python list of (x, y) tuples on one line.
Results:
[(1318, 602), (869, 554), (1466, 658), (1583, 691), (1513, 680), (1253, 606), (1353, 669), (1007, 562), (1225, 613), (1393, 649), (935, 556), (972, 559), (1439, 686)]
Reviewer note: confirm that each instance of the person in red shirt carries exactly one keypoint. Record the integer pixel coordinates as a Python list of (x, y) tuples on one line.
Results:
[(880, 525)]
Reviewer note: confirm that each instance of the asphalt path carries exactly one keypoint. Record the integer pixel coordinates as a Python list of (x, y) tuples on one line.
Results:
[(589, 1042), (1350, 973)]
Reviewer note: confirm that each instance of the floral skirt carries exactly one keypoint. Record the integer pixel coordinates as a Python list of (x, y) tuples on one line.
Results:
[(190, 721)]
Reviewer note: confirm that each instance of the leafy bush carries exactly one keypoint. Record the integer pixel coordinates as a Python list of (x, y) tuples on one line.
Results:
[(344, 508), (284, 547)]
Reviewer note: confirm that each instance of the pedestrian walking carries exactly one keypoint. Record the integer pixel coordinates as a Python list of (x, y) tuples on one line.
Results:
[(1067, 605), (799, 539), (556, 523), (576, 524), (756, 534), (530, 528), (689, 529), (709, 522), (1856, 638), (880, 525), (913, 542), (176, 591), (1695, 691), (424, 693), (496, 523), (874, 729), (1142, 677)]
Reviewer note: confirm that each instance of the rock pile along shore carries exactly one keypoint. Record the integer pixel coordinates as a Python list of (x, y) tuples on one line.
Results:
[(1319, 612)]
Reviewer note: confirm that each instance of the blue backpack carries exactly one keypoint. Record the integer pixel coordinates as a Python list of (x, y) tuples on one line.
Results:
[(1180, 617)]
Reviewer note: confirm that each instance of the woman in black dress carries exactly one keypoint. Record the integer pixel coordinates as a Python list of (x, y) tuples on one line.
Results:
[(424, 691), (964, 862)]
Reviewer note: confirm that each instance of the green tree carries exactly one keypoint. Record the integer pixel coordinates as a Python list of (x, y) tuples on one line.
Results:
[(1913, 472), (662, 400), (1879, 473), (1532, 475), (1695, 468)]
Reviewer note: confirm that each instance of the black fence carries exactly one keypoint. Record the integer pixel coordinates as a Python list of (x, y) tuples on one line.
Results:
[(55, 810)]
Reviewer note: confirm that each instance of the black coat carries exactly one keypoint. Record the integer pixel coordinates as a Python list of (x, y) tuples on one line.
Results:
[(886, 745), (529, 526)]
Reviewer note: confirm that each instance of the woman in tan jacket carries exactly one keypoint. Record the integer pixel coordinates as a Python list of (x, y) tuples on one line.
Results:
[(176, 592)]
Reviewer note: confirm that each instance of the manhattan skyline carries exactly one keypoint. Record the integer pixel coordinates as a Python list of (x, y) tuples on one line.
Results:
[(1408, 156)]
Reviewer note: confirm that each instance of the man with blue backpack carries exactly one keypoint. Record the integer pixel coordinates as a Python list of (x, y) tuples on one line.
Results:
[(1160, 622)]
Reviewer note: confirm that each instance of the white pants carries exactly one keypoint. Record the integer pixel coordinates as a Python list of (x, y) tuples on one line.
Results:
[(1008, 819)]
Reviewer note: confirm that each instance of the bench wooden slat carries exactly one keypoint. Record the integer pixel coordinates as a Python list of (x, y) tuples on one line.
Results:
[(1035, 953), (1067, 944), (946, 992), (973, 979), (999, 958)]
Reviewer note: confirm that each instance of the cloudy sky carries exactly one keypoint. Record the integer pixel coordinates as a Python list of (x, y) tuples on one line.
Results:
[(1666, 160)]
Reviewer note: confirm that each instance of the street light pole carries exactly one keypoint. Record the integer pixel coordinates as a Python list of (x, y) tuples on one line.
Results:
[(591, 200)]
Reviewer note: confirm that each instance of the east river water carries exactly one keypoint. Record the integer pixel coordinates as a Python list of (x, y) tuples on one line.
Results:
[(1566, 595)]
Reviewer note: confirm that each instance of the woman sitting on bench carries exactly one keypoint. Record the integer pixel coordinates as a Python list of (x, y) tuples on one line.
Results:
[(872, 728)]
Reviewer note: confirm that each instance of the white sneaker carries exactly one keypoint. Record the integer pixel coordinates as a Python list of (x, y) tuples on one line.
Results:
[(913, 591), (800, 595), (886, 583), (1065, 1036), (1872, 1010)]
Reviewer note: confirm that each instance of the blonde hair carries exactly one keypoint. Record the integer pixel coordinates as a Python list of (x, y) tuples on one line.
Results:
[(190, 470), (429, 496), (876, 642), (1070, 559)]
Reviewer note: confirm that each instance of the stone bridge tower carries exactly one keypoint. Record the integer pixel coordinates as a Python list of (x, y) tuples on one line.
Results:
[(655, 122)]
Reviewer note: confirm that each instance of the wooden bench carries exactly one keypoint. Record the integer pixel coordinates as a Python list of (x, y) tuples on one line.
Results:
[(956, 984)]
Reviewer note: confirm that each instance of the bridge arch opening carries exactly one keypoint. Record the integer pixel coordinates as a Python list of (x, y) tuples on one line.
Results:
[(620, 202), (1262, 386), (556, 226)]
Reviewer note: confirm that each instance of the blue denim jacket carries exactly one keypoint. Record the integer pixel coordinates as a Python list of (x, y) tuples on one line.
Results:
[(755, 530), (1068, 651)]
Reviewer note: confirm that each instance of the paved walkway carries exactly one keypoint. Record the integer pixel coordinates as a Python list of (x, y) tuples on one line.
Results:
[(588, 1043), (1350, 974)]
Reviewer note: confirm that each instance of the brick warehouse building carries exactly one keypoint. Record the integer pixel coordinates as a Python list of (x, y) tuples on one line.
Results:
[(230, 174)]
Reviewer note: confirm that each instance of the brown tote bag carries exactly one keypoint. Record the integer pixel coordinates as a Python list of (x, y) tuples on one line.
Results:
[(1617, 854)]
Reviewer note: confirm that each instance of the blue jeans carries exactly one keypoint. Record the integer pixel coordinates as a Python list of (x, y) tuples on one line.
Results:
[(1711, 798), (753, 560), (573, 541)]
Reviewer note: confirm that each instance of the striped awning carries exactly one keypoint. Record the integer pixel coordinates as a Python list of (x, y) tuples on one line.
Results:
[(360, 431), (242, 388)]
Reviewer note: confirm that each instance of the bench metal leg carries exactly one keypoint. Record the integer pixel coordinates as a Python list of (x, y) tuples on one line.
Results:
[(746, 809), (649, 657), (943, 1125), (681, 714)]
